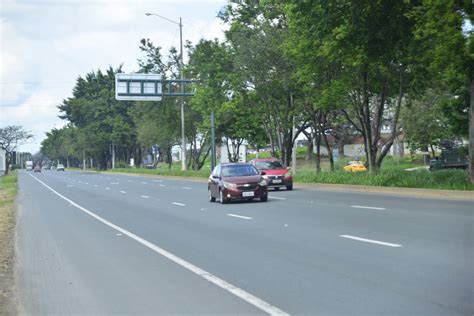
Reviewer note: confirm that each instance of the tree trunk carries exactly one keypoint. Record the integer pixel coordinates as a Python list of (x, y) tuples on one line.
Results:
[(7, 162), (329, 148), (433, 153), (318, 152), (309, 152), (340, 145)]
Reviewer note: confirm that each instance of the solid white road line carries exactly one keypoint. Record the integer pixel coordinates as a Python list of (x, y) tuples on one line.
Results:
[(179, 204), (239, 216), (145, 196), (249, 298), (276, 198), (371, 241), (369, 207)]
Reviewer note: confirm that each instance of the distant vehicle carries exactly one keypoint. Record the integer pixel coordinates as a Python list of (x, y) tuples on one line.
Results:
[(451, 157), (355, 166), (236, 181), (37, 169), (29, 165), (60, 167), (276, 175), (47, 167)]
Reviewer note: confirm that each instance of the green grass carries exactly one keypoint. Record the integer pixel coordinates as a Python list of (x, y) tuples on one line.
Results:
[(443, 179), (163, 170), (8, 191)]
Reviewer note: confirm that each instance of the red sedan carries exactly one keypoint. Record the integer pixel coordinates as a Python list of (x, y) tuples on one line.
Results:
[(277, 175), (236, 181)]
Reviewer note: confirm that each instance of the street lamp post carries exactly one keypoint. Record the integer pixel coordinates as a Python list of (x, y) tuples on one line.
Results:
[(183, 135)]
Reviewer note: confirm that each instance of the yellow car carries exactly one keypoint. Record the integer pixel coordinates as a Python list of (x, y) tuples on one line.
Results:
[(355, 166)]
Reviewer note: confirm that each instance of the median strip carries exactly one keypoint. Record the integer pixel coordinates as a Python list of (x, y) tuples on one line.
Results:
[(377, 242)]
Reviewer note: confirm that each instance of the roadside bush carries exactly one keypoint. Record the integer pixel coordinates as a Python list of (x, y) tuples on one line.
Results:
[(443, 179), (121, 164)]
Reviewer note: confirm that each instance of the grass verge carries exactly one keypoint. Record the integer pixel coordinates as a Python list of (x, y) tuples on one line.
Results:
[(8, 190), (424, 179)]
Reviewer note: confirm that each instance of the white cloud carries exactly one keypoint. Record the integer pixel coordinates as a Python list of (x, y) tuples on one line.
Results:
[(15, 61), (47, 44), (37, 114)]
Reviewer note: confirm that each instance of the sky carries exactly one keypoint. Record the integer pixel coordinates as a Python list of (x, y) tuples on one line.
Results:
[(45, 45)]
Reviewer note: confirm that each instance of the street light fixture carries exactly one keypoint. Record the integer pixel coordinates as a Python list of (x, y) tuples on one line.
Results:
[(183, 135)]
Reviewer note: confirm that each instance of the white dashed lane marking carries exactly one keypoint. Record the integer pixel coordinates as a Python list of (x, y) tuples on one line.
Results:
[(179, 204), (239, 216), (377, 242), (242, 294), (276, 198), (123, 192), (186, 188), (145, 196), (369, 207)]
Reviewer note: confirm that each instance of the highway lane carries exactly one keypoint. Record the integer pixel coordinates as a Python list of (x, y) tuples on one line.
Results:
[(288, 252)]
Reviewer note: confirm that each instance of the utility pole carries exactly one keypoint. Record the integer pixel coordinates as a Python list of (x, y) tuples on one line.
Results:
[(213, 139), (181, 65), (183, 135), (295, 142), (113, 156)]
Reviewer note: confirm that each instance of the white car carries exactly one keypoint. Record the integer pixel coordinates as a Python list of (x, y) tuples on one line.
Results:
[(60, 167)]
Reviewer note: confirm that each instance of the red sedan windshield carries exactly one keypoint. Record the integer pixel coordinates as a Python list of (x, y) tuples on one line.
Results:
[(268, 165), (239, 171)]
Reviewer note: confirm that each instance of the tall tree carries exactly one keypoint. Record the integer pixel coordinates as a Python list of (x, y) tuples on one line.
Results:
[(447, 59), (257, 34), (11, 137), (366, 46), (101, 120)]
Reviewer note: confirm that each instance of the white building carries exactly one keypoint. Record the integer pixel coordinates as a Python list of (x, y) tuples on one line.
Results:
[(3, 160)]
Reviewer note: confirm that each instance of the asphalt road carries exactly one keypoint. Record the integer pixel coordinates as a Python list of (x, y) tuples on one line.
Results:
[(103, 244)]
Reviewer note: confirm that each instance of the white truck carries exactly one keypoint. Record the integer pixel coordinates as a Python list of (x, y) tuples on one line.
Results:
[(29, 165)]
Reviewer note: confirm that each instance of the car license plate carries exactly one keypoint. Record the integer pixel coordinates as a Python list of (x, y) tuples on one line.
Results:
[(276, 181), (247, 194)]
